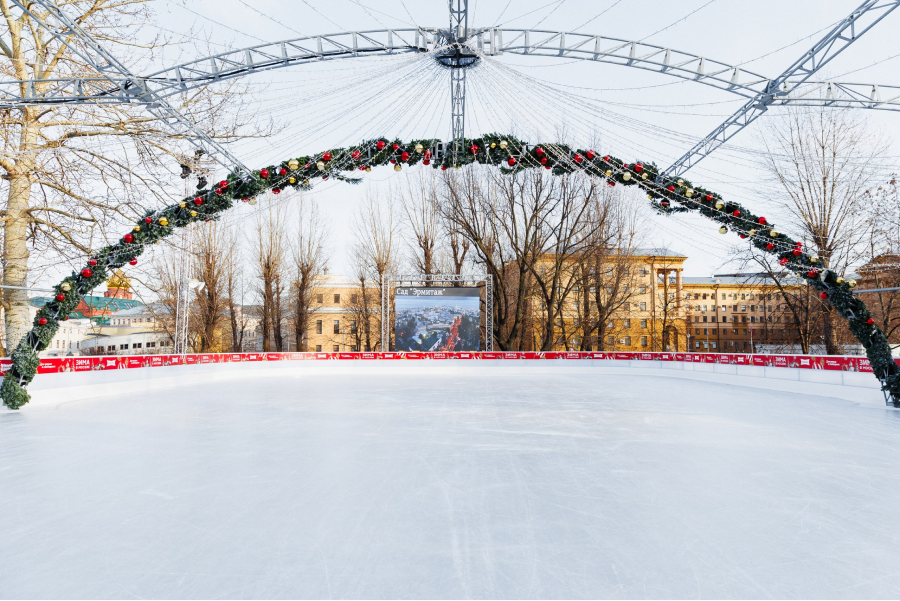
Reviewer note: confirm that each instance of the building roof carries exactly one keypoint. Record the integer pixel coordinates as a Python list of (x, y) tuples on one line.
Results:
[(659, 252), (739, 279)]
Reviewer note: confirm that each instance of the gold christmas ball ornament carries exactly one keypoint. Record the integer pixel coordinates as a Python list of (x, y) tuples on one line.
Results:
[(689, 192), (252, 201), (814, 259), (504, 144), (626, 176), (650, 196), (420, 149), (163, 221), (397, 167), (292, 180), (644, 175), (752, 232), (368, 169), (294, 164), (193, 213), (720, 204), (680, 182), (851, 283), (493, 145), (182, 205), (608, 173), (320, 166), (773, 233), (65, 286), (137, 228), (840, 280), (723, 230)]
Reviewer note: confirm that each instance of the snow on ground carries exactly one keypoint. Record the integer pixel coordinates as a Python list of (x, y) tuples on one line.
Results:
[(450, 486)]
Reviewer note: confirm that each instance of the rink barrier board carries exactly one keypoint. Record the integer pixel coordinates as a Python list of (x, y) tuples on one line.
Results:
[(54, 365)]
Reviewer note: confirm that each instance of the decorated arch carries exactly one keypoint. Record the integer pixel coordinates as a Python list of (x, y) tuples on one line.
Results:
[(510, 155)]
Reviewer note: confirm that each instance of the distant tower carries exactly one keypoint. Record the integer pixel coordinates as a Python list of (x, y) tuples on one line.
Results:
[(118, 286)]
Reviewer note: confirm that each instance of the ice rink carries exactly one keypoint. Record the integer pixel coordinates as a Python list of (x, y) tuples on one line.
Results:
[(451, 486)]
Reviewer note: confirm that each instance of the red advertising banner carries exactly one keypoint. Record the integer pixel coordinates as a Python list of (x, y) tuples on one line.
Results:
[(493, 356)]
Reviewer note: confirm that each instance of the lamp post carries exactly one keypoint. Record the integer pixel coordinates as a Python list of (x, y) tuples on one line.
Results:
[(183, 313)]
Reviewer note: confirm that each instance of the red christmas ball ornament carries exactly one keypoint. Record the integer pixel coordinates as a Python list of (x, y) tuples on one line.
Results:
[(326, 157), (511, 162), (664, 203), (427, 154), (548, 166), (264, 173), (797, 252), (60, 297), (426, 162), (578, 158), (198, 201), (737, 213), (606, 158), (223, 184), (219, 190), (770, 246), (245, 199), (443, 167), (380, 145), (709, 197), (473, 149), (362, 167), (276, 190), (813, 273), (92, 262), (870, 321), (86, 272), (544, 161), (539, 151), (671, 188), (638, 167), (824, 295), (783, 261), (610, 183), (148, 220), (355, 154), (282, 171), (590, 155), (742, 236), (42, 321), (762, 220), (128, 238), (395, 146), (393, 161), (404, 157), (132, 262)]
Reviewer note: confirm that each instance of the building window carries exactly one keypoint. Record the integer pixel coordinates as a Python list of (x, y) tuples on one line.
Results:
[(696, 344), (724, 319), (626, 323), (337, 326), (723, 296), (320, 298), (318, 348), (644, 324), (627, 307), (643, 290), (318, 326), (354, 298), (353, 326), (643, 341), (714, 345), (743, 297), (123, 347), (337, 299), (704, 319), (138, 345), (337, 348), (643, 306), (611, 340), (628, 341)]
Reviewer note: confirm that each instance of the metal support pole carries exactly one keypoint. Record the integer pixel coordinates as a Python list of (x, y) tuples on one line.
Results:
[(458, 109), (489, 312)]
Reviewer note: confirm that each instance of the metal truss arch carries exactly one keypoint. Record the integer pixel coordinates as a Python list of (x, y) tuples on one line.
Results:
[(485, 41)]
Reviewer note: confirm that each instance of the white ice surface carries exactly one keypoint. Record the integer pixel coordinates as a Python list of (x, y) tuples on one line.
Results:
[(451, 486)]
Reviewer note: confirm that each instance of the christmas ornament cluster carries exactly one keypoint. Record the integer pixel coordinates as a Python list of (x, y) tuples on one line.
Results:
[(510, 155)]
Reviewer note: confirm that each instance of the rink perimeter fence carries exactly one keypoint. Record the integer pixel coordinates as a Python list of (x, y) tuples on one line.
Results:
[(53, 365)]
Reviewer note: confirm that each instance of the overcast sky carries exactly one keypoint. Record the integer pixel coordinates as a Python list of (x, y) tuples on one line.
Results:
[(635, 114)]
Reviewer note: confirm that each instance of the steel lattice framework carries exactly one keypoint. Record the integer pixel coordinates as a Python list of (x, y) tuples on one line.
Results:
[(457, 47)]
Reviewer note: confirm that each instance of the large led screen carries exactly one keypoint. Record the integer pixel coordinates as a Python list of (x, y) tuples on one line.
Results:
[(436, 320)]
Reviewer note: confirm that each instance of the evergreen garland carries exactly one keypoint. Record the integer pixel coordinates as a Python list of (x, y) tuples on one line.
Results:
[(506, 152)]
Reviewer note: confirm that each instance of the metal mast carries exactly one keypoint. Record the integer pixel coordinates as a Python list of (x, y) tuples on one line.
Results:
[(836, 41), (459, 26)]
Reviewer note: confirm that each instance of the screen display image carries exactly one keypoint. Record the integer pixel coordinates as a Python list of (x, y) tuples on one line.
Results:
[(436, 320)]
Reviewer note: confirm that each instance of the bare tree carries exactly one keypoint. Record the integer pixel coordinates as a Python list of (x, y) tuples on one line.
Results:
[(270, 258), (210, 259), (75, 171), (823, 161), (310, 259), (375, 227), (419, 202)]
